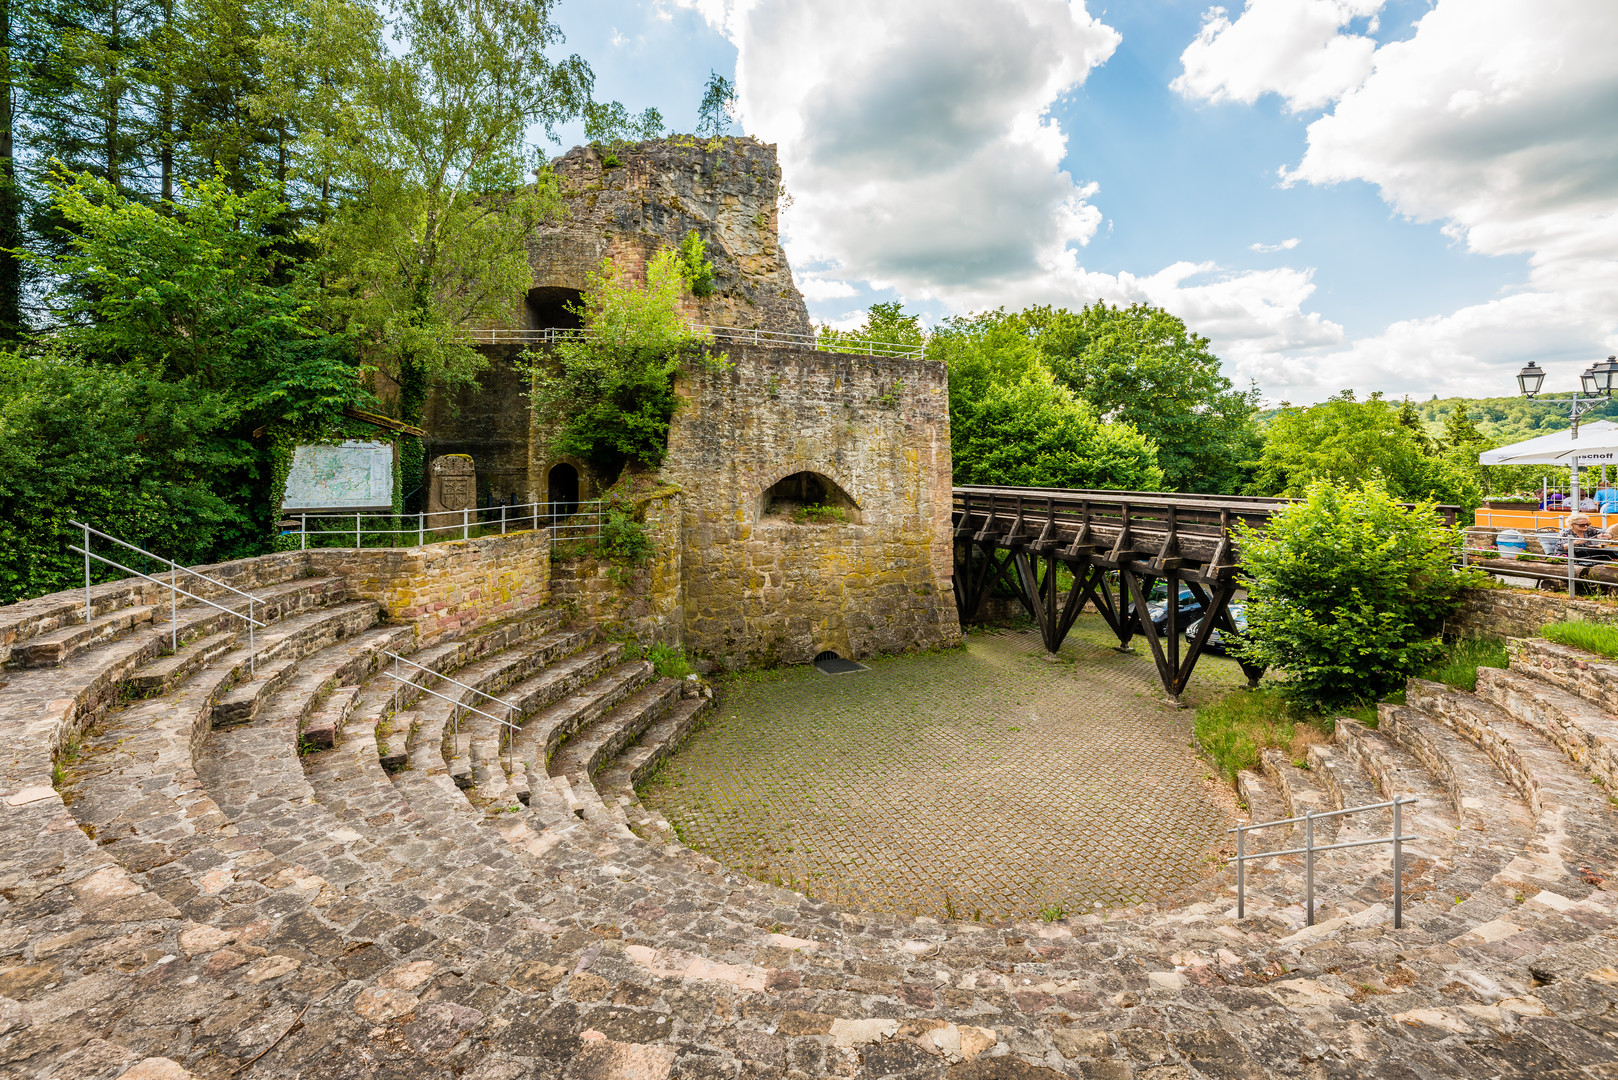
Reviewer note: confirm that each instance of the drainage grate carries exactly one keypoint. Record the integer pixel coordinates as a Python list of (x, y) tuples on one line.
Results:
[(829, 663)]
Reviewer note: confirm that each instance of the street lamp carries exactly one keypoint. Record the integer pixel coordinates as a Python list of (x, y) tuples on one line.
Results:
[(1596, 385)]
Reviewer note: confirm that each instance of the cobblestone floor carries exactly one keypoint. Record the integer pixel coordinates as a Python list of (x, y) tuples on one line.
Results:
[(992, 781)]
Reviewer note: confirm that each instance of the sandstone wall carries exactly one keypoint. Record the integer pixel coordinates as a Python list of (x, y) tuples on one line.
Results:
[(765, 591), (489, 422), (1521, 612), (725, 189), (451, 587), (645, 603)]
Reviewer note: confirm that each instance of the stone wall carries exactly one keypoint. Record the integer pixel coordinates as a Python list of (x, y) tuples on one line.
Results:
[(1501, 613), (644, 603), (489, 422), (771, 590), (451, 587)]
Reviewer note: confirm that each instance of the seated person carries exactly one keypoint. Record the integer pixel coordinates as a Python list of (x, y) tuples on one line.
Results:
[(1588, 504), (1579, 535), (1607, 498)]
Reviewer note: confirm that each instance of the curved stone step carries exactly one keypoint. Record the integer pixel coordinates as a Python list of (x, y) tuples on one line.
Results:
[(544, 731), (1300, 791), (1577, 826), (281, 647), (637, 763), (50, 650), (1579, 728), (584, 753), (1583, 674)]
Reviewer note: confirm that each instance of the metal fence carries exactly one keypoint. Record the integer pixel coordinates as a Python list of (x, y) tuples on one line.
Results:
[(566, 521), (1398, 839), (735, 335)]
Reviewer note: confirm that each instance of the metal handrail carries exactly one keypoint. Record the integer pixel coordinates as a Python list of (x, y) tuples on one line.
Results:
[(174, 622), (1398, 838), (172, 564), (557, 523), (741, 335), (456, 716)]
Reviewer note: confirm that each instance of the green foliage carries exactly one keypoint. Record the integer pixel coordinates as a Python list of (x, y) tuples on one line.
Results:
[(1350, 442), (816, 514), (886, 325), (699, 273), (1458, 665), (1235, 730), (1599, 638), (610, 125), (610, 393), (1347, 589), (1141, 366), (717, 108), (1011, 423), (669, 661), (623, 537)]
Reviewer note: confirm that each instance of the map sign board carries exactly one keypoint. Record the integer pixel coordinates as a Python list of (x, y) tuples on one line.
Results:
[(348, 476)]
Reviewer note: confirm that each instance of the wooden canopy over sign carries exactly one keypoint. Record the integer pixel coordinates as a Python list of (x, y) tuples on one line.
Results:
[(1023, 535)]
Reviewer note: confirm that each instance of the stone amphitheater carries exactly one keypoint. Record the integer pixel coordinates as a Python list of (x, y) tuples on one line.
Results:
[(294, 865)]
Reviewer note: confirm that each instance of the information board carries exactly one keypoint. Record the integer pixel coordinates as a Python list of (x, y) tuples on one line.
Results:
[(347, 476)]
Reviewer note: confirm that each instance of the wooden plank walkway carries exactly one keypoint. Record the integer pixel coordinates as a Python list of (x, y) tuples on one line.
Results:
[(1027, 536)]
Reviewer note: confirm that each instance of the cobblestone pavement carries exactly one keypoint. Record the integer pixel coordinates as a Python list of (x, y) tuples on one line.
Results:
[(992, 781)]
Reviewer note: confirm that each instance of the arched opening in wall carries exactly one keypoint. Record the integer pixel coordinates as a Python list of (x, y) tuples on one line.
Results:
[(563, 484), (807, 498), (548, 308)]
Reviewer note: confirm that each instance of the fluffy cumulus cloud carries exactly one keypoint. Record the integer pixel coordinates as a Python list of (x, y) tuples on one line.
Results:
[(1496, 118), (1294, 48), (916, 141)]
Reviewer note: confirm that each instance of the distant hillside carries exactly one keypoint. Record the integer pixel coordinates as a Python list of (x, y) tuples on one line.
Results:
[(1505, 420)]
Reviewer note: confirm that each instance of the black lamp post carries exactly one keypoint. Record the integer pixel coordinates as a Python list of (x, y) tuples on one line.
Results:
[(1596, 385)]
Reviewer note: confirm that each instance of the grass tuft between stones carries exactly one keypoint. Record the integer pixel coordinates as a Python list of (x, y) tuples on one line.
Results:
[(1599, 638)]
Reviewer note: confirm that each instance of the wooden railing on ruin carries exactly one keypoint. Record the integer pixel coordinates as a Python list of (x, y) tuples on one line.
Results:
[(1024, 537)]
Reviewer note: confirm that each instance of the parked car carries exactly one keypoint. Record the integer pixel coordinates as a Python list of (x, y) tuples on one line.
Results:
[(1220, 642), (1157, 607)]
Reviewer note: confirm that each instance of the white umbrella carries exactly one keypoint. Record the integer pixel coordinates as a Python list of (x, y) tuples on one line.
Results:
[(1597, 443)]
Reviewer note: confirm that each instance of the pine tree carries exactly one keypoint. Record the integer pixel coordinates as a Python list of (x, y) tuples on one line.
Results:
[(1459, 431)]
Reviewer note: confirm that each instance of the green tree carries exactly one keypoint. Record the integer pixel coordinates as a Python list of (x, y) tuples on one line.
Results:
[(717, 108), (1460, 434), (1412, 422), (608, 395), (1142, 366), (1011, 423), (1352, 441), (433, 241), (886, 325), (1347, 591)]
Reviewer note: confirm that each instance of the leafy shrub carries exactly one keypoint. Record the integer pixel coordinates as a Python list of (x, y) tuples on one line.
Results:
[(699, 275), (622, 537), (1347, 590), (669, 661), (816, 514), (1599, 638)]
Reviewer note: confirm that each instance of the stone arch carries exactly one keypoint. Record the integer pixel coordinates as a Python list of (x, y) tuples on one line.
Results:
[(800, 486), (579, 487)]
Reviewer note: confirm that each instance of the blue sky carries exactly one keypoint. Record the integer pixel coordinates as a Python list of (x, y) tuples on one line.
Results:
[(1439, 242)]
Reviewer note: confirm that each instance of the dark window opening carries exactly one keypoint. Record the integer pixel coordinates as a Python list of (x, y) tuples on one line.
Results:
[(829, 663), (808, 498), (563, 484), (548, 308)]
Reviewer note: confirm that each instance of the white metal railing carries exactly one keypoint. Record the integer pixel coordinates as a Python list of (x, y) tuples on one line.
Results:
[(455, 717), (739, 335), (175, 592), (566, 521), (1398, 839), (1583, 556)]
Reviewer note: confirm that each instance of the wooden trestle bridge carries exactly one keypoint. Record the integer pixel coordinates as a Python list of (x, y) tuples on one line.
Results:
[(1024, 536)]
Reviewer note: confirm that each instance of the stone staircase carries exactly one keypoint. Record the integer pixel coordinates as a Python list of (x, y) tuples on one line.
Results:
[(311, 866)]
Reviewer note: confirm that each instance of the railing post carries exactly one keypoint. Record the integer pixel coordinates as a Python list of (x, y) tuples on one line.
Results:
[(252, 644), (1398, 870), (466, 524), (87, 575), (421, 528), (303, 532), (1309, 867), (1241, 872), (356, 532), (174, 607), (502, 519)]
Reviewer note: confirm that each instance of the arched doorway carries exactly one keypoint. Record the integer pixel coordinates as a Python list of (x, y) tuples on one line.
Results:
[(807, 497), (563, 484), (549, 308)]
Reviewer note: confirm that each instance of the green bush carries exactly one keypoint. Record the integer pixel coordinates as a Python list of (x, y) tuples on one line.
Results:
[(669, 661), (816, 514), (1347, 590), (1599, 638), (699, 274), (623, 538)]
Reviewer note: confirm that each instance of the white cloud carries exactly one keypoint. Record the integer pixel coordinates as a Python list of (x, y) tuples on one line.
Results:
[(1294, 48), (916, 142), (823, 289), (1500, 120), (1266, 249), (618, 39)]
